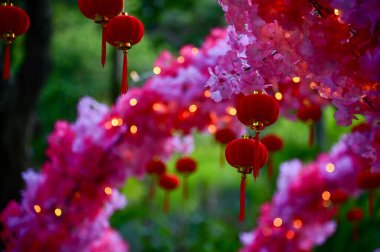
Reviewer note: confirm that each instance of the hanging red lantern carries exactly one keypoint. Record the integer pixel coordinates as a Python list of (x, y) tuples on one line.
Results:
[(310, 113), (355, 215), (154, 168), (369, 181), (168, 182), (273, 143), (101, 11), (224, 136), (240, 154), (123, 32), (257, 111), (14, 22), (186, 166), (338, 197)]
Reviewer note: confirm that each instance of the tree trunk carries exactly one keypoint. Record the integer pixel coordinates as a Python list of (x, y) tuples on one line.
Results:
[(18, 97)]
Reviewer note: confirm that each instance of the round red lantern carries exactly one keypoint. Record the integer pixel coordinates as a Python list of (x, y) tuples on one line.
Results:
[(224, 136), (240, 154), (123, 32), (369, 181), (168, 182), (257, 111), (338, 196), (13, 22), (154, 168), (273, 143), (101, 11), (355, 215), (186, 166), (309, 113)]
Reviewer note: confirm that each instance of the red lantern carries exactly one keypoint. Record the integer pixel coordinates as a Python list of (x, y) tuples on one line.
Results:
[(168, 182), (309, 113), (224, 136), (369, 181), (13, 22), (273, 144), (257, 111), (355, 215), (186, 166), (123, 32), (240, 154), (154, 168), (101, 11)]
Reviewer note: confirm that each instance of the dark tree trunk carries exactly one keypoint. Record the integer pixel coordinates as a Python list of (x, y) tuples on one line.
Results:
[(18, 98)]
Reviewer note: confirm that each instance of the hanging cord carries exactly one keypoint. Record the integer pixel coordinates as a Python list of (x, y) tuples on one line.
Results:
[(256, 161), (124, 82), (242, 197), (7, 62), (104, 45)]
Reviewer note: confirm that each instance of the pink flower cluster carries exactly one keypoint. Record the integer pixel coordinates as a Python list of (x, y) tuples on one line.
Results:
[(300, 49), (301, 213), (66, 206)]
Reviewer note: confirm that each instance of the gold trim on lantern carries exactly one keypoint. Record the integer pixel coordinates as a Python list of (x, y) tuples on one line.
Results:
[(258, 92), (100, 19), (244, 170), (245, 136), (9, 37), (124, 45), (7, 4), (124, 13), (257, 126)]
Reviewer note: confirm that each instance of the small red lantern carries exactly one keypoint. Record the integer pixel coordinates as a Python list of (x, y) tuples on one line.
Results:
[(154, 168), (101, 11), (123, 32), (355, 215), (310, 113), (14, 22), (257, 111), (224, 136), (240, 153), (338, 197), (168, 182), (273, 143), (369, 181), (186, 166)]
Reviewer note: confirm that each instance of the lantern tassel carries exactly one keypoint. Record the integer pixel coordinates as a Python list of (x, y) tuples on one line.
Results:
[(185, 192), (7, 62), (270, 167), (166, 202), (311, 134), (256, 160), (371, 202), (124, 82), (152, 189), (242, 197), (104, 45)]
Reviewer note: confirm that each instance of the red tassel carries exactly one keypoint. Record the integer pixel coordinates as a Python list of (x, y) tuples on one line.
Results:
[(311, 134), (152, 191), (124, 82), (166, 202), (270, 166), (242, 198), (371, 202), (104, 45), (256, 161), (185, 192), (7, 62)]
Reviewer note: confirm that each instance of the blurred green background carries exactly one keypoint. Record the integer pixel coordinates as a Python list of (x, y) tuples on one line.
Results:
[(207, 221)]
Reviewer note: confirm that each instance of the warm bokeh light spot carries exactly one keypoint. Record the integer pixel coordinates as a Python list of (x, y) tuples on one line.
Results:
[(330, 167), (313, 85), (326, 203), (277, 222), (296, 79), (133, 102), (181, 59), (207, 93), (37, 208), (193, 108), (326, 195), (108, 125), (108, 190), (297, 223), (156, 70), (278, 96), (290, 235), (231, 110), (58, 212), (134, 76), (211, 128), (194, 50), (133, 129), (336, 12)]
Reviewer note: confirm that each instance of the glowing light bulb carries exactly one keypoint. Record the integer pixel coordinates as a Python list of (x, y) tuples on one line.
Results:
[(330, 167), (37, 208), (290, 234), (207, 93), (108, 190), (115, 122), (278, 96), (194, 50), (297, 223), (296, 79), (135, 76), (211, 128), (181, 59), (156, 70), (231, 110), (277, 222), (336, 12), (58, 212), (193, 108), (133, 129), (326, 195), (133, 102)]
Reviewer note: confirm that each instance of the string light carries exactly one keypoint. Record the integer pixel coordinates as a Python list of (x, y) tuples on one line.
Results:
[(297, 223), (330, 167), (181, 59), (207, 93), (336, 12), (231, 110), (194, 50), (117, 122), (193, 108), (156, 70), (277, 222), (326, 195), (290, 234), (135, 76), (108, 190), (58, 212), (133, 129), (278, 96), (133, 102), (296, 79), (37, 208), (211, 128)]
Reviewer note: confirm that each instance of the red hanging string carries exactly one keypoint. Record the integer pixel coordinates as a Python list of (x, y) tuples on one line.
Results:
[(124, 82), (166, 202), (7, 62), (311, 134), (256, 162), (185, 192), (104, 45), (270, 166), (152, 189), (242, 198), (371, 202)]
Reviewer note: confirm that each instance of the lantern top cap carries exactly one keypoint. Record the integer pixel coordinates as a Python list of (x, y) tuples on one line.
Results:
[(7, 4), (124, 13)]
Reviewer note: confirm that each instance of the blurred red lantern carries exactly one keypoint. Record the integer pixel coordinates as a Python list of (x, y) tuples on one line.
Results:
[(363, 127), (369, 181), (14, 22), (168, 182), (154, 168), (309, 113), (273, 143), (101, 11), (338, 197), (355, 215), (224, 136), (257, 111), (240, 153), (186, 166), (123, 32)]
